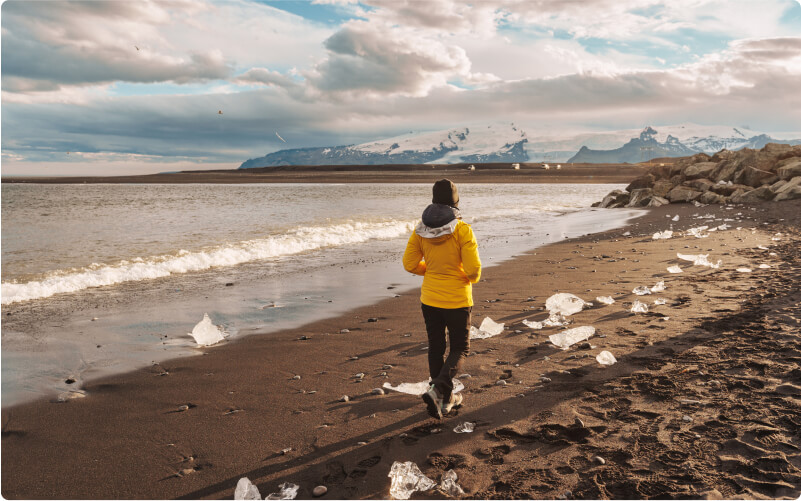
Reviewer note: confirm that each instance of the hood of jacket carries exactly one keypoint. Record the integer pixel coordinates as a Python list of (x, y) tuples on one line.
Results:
[(438, 220)]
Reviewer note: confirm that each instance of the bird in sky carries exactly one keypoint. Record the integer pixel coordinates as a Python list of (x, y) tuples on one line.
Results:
[(279, 136)]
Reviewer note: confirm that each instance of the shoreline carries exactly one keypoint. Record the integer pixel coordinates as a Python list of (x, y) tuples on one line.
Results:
[(486, 173), (104, 348), (129, 438)]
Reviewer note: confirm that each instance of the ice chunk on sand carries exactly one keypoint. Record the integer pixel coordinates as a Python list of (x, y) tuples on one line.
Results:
[(449, 485), (287, 491), (659, 287), (641, 290), (246, 491), (663, 235), (724, 227), (697, 232), (764, 266), (605, 358), (762, 247), (568, 338), (660, 301), (676, 217), (674, 269), (605, 299), (744, 270), (407, 479), (532, 324), (555, 320), (421, 387), (466, 427), (488, 328), (566, 304), (206, 333), (699, 259), (638, 307)]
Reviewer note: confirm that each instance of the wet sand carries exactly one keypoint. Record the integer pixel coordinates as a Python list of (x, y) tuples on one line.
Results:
[(727, 357), (484, 173)]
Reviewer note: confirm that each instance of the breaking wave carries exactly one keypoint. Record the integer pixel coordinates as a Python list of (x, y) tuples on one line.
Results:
[(292, 242)]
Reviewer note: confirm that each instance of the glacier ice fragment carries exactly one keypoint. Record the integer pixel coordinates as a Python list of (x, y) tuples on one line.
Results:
[(569, 337), (662, 235), (449, 485), (532, 324), (638, 307), (206, 333), (407, 479), (605, 358), (566, 304), (659, 287), (744, 270), (466, 427), (641, 290), (287, 491), (246, 491), (605, 299), (674, 269), (488, 328), (421, 387)]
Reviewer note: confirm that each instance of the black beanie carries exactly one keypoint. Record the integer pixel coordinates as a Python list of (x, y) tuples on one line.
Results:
[(445, 193)]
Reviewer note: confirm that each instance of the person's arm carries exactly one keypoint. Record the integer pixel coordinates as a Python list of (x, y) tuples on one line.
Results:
[(413, 257), (470, 260)]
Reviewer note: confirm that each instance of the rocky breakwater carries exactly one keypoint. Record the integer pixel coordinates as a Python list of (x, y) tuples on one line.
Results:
[(744, 176)]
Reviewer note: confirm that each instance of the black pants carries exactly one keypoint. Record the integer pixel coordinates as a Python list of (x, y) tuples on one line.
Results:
[(442, 370)]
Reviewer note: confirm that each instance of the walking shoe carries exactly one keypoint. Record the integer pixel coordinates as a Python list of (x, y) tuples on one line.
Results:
[(454, 403), (433, 402)]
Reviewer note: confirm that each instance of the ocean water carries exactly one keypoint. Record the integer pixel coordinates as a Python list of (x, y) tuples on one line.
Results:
[(99, 279)]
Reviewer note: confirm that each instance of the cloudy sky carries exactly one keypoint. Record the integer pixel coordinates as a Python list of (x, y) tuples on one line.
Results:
[(117, 87)]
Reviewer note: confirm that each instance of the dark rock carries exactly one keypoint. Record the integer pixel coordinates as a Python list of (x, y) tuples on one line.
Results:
[(790, 170), (683, 194), (69, 380), (791, 194), (662, 187), (640, 197), (229, 284), (722, 155), (702, 169), (372, 320), (657, 201), (710, 197), (728, 189), (754, 196), (700, 184), (641, 182), (755, 178), (616, 198)]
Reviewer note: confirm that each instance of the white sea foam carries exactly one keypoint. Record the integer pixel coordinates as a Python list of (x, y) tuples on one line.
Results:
[(292, 242)]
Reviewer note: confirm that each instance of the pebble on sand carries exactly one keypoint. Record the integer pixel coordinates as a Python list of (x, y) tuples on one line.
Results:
[(599, 460), (377, 391), (344, 331), (344, 398), (296, 377), (320, 490)]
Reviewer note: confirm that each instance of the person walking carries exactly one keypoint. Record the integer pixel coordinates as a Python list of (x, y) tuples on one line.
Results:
[(444, 251)]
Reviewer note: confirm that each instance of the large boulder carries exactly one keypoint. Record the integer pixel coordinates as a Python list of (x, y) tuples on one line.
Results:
[(791, 169), (722, 155), (640, 197), (656, 201), (702, 169), (710, 197), (760, 194), (641, 182), (753, 177), (782, 186), (662, 187), (683, 194), (617, 198), (728, 189), (790, 194), (700, 184)]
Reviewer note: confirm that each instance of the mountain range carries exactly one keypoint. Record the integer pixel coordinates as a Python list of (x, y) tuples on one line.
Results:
[(506, 142)]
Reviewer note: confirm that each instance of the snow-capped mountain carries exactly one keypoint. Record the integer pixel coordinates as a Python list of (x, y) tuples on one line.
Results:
[(492, 143), (510, 143)]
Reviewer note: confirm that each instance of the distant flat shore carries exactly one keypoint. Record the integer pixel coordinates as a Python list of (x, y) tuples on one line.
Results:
[(484, 173)]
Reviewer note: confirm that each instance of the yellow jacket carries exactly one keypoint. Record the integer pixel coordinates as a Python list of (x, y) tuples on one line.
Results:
[(447, 258)]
